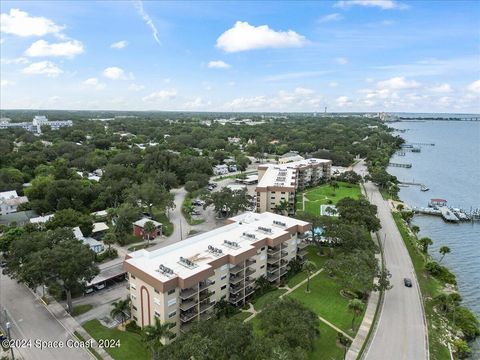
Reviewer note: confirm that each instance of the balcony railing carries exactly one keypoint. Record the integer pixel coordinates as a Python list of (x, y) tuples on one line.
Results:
[(188, 293), (273, 251), (250, 262), (236, 269), (273, 260), (187, 305), (188, 316), (205, 284), (284, 253), (236, 279), (302, 245), (235, 289), (249, 291), (272, 277), (205, 295), (249, 271), (206, 306)]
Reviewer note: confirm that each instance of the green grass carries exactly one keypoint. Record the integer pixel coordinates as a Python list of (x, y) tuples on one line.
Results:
[(262, 301), (92, 350), (430, 288), (81, 309), (139, 246), (312, 256), (325, 194), (325, 300), (325, 346), (241, 316), (131, 345)]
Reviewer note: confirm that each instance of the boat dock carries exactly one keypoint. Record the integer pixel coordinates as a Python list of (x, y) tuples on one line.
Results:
[(408, 166), (438, 207), (444, 212)]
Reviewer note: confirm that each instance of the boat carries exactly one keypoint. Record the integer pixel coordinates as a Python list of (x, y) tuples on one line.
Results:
[(424, 188)]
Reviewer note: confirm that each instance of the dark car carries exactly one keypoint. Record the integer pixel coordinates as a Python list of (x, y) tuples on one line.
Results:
[(407, 282), (3, 263)]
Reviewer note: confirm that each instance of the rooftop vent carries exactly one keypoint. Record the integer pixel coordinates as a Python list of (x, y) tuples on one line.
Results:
[(279, 223), (165, 270), (265, 229), (231, 244), (215, 251), (250, 236), (187, 263)]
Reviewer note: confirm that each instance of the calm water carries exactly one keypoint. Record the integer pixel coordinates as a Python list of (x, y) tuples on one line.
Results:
[(451, 169)]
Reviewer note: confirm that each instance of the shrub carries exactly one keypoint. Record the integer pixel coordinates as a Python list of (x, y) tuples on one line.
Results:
[(466, 321), (133, 327), (440, 272), (106, 255), (462, 349)]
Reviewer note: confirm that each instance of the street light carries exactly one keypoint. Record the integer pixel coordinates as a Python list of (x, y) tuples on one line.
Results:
[(8, 325)]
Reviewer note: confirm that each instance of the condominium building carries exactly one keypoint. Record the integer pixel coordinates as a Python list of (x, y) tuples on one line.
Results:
[(279, 183), (182, 282), (36, 124)]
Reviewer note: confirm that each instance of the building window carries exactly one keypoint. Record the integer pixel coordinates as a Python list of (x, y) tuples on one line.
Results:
[(133, 297), (223, 277), (132, 276), (224, 267), (135, 318), (134, 307), (283, 192), (170, 292), (157, 314), (172, 302), (263, 266), (156, 290), (272, 197), (223, 297), (156, 301), (263, 248), (133, 286), (172, 314), (223, 287)]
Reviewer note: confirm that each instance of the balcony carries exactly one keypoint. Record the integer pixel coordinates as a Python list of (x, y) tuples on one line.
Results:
[(283, 271), (206, 306), (284, 253), (205, 284), (303, 236), (249, 282), (249, 272), (236, 279), (273, 260), (249, 291), (188, 293), (187, 305), (273, 251), (302, 245), (206, 295), (189, 316), (236, 269), (273, 277), (250, 262)]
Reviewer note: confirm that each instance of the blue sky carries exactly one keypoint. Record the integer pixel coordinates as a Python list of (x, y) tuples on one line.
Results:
[(359, 55)]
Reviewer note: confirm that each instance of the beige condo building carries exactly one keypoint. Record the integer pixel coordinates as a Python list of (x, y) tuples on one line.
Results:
[(182, 282), (278, 183)]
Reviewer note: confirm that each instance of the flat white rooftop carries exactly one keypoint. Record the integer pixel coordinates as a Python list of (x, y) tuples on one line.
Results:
[(278, 175), (196, 249)]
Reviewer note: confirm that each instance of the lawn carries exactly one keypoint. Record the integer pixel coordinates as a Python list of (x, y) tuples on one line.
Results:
[(81, 309), (325, 300), (326, 194), (131, 345), (262, 301), (312, 256), (241, 316), (325, 346)]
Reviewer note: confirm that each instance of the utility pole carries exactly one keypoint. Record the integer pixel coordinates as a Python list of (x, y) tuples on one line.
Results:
[(9, 337)]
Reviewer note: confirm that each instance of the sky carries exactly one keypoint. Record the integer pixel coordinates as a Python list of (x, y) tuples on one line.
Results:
[(358, 55)]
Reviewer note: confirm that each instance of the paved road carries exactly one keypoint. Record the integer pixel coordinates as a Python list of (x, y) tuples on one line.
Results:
[(401, 331), (31, 320)]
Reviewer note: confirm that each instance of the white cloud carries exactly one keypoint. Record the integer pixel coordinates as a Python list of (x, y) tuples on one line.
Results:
[(243, 36), (341, 61), (20, 60), (136, 87), (43, 48), (43, 68), (333, 84), (4, 83), (119, 44), (398, 83), (160, 95), (116, 73), (19, 23), (342, 101), (303, 91), (94, 82), (442, 88), (296, 75), (474, 87), (330, 17), (196, 103), (167, 80), (218, 64), (382, 4), (148, 20)]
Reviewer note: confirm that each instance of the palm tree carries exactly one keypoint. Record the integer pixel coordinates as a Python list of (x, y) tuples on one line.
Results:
[(262, 285), (282, 207), (148, 229), (400, 207), (444, 250), (356, 306), (153, 335), (121, 308), (309, 267), (344, 342), (425, 242), (415, 229)]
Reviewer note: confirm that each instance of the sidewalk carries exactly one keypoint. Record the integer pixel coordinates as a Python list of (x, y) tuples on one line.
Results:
[(72, 326)]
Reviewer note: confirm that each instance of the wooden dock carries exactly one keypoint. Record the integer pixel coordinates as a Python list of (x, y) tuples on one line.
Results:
[(408, 166)]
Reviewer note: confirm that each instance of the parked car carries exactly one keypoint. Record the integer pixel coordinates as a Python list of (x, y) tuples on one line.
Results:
[(210, 188), (198, 202), (195, 212), (214, 185), (99, 286), (407, 282), (88, 290), (3, 263)]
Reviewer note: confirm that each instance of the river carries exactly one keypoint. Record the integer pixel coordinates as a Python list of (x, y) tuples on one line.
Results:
[(451, 169)]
